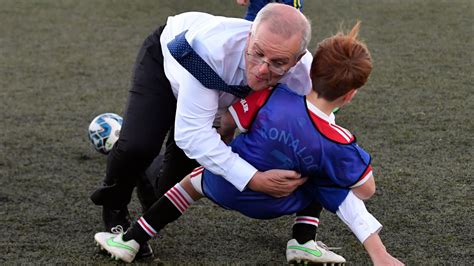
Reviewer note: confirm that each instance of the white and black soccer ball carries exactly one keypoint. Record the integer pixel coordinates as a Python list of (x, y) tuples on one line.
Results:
[(104, 131)]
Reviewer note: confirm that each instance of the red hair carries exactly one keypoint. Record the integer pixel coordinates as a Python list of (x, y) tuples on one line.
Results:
[(341, 63)]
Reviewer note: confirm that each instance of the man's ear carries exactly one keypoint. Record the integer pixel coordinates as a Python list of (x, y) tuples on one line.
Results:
[(300, 56), (349, 95)]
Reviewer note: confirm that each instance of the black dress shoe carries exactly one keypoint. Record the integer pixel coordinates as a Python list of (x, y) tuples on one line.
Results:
[(145, 251), (114, 217)]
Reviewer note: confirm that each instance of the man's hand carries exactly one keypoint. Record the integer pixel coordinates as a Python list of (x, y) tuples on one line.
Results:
[(276, 183)]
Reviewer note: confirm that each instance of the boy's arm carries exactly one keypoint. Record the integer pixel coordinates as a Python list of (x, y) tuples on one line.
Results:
[(378, 253), (366, 190), (363, 224), (353, 213), (227, 127)]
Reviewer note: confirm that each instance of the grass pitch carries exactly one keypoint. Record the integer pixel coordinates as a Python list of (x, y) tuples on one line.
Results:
[(63, 62)]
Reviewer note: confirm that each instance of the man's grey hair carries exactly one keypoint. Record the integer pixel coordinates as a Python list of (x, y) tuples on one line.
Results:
[(280, 23)]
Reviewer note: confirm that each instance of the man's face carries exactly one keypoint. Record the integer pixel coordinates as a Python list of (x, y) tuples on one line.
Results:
[(268, 57)]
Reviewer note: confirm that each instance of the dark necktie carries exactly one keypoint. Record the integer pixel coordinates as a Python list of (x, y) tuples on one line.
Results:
[(194, 64)]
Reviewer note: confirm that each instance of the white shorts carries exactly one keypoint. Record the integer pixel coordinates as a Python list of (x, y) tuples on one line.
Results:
[(196, 179)]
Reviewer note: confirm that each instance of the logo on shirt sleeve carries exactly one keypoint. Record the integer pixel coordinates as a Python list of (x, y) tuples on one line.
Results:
[(245, 105)]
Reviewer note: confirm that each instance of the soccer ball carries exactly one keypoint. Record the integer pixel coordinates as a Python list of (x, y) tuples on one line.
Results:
[(104, 131)]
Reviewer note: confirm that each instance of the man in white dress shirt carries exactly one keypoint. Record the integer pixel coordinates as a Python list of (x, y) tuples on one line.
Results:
[(166, 98)]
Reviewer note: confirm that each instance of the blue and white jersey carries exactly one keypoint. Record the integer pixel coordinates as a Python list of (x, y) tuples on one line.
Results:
[(285, 131)]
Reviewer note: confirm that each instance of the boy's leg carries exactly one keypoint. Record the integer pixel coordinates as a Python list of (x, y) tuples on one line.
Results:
[(169, 207), (306, 223), (303, 246), (166, 210), (166, 171)]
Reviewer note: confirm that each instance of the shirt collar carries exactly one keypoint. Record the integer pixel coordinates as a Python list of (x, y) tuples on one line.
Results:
[(315, 110)]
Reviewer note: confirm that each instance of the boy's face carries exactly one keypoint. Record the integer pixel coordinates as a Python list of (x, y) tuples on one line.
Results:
[(268, 57)]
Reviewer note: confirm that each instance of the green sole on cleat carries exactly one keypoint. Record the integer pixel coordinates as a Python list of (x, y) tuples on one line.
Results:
[(305, 263)]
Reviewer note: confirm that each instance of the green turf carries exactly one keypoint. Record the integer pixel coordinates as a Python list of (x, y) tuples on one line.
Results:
[(62, 62)]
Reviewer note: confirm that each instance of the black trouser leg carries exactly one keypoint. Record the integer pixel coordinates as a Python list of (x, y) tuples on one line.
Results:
[(148, 117)]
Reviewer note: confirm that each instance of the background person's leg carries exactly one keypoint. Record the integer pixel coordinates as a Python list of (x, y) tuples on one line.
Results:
[(175, 166), (145, 186)]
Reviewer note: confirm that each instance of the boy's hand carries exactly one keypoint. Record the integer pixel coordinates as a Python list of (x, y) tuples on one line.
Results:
[(387, 260), (276, 183), (378, 253)]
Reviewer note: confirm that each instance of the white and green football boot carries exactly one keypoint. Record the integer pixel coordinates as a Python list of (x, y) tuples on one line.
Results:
[(311, 252), (116, 246)]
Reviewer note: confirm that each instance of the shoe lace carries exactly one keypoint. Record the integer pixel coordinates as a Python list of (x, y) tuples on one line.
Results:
[(324, 246), (117, 229)]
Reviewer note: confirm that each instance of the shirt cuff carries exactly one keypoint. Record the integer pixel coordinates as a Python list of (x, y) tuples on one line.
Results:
[(364, 225), (240, 174), (353, 213)]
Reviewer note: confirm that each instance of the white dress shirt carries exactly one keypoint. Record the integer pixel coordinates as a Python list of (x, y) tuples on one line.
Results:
[(221, 42)]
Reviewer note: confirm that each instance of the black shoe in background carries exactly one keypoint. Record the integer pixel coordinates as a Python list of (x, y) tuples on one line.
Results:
[(114, 217), (145, 251)]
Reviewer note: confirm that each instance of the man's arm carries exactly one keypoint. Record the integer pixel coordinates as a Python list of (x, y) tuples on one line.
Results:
[(195, 112), (195, 135), (278, 183)]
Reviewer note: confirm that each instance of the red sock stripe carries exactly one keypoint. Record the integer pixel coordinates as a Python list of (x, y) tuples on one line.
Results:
[(184, 194), (197, 171), (178, 200), (146, 227), (307, 220), (175, 202), (182, 199)]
